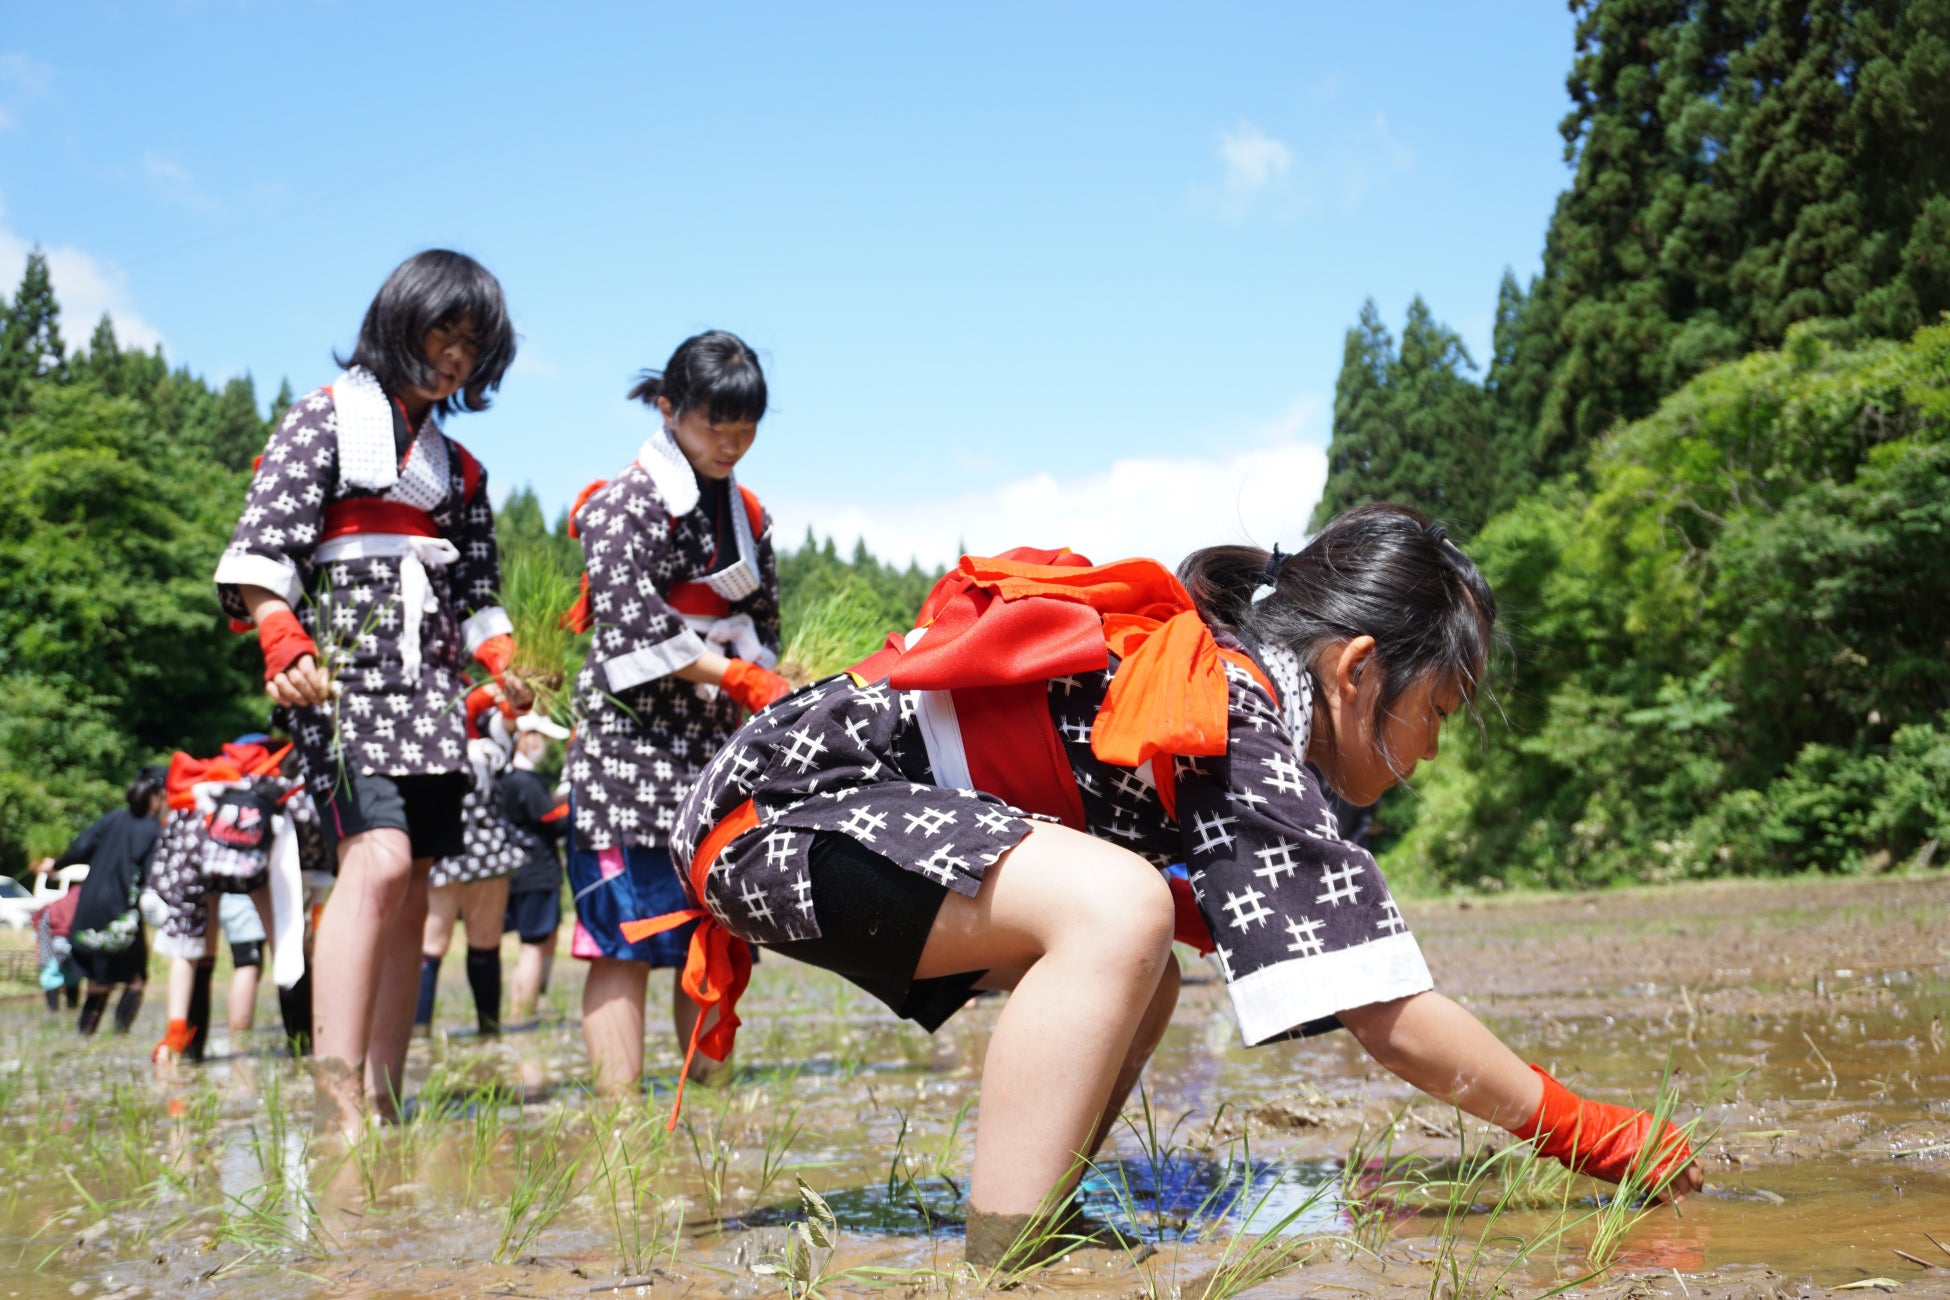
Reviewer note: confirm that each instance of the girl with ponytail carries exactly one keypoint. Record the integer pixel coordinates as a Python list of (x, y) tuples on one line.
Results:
[(879, 824)]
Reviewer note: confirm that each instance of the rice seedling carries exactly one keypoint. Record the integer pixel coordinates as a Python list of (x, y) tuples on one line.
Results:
[(545, 1184), (537, 590), (781, 1130), (1639, 1192), (1487, 1187), (1246, 1260), (484, 1130), (831, 632), (629, 1151), (713, 1153)]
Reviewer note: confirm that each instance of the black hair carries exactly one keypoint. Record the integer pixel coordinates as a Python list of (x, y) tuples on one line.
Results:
[(148, 783), (715, 370), (425, 292), (1381, 570)]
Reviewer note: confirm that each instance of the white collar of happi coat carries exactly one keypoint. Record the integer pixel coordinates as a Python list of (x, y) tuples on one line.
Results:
[(367, 457), (1296, 688), (663, 460)]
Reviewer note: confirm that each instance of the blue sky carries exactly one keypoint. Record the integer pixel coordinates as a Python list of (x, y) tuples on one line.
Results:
[(1050, 274)]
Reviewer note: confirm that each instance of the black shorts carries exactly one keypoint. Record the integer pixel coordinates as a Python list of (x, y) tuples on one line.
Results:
[(427, 808), (535, 915), (874, 919), (132, 963)]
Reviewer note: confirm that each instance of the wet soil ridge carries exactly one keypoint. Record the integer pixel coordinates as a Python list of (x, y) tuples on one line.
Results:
[(1803, 1022)]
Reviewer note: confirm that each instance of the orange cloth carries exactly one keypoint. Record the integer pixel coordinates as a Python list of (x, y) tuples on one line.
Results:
[(718, 965), (234, 764)]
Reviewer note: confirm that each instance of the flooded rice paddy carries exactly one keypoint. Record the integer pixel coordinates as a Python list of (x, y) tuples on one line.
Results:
[(1803, 1024)]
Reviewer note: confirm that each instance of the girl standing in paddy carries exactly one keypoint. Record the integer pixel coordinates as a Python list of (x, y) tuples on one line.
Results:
[(878, 825), (366, 558), (683, 599)]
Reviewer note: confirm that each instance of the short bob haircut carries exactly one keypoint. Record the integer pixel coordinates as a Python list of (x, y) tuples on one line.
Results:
[(426, 291), (716, 371)]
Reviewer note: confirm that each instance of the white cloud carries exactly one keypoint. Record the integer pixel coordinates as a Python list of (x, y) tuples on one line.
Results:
[(1253, 160), (174, 184), (1257, 176), (84, 285), (1258, 486)]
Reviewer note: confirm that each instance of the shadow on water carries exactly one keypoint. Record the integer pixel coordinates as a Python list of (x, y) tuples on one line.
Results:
[(1182, 1197)]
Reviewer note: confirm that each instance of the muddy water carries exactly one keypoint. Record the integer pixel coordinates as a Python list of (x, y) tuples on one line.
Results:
[(1802, 1023)]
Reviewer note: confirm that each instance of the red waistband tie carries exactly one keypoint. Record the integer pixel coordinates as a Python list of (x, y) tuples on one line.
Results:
[(719, 964), (372, 515)]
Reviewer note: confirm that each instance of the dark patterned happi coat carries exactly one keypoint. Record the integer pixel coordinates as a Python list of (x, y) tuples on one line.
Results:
[(643, 734), (1304, 922), (493, 846), (387, 718)]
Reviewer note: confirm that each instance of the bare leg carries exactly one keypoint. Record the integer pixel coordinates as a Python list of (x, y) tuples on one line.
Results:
[(612, 1023), (399, 985), (1089, 925), (683, 1018), (484, 909), (243, 999), (443, 906), (527, 990), (376, 877)]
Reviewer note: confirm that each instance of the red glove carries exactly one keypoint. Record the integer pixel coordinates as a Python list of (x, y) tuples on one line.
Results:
[(495, 654), (1187, 925), (752, 686), (284, 641), (176, 1040), (481, 701), (1597, 1138)]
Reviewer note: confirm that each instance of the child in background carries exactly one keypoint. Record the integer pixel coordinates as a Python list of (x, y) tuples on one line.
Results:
[(105, 936), (682, 597), (366, 559), (473, 886), (877, 824), (540, 818)]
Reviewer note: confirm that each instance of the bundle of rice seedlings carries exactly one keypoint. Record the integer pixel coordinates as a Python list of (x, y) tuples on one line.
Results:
[(832, 632), (536, 592)]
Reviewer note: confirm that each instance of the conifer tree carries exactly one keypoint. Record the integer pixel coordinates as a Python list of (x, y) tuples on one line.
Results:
[(30, 340)]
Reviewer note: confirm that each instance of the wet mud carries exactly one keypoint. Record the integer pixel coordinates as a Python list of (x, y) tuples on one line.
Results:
[(1801, 1024)]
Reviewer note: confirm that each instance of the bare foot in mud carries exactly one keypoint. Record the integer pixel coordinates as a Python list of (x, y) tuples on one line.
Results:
[(339, 1097)]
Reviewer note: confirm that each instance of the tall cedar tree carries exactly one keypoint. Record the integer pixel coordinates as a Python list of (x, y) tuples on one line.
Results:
[(1739, 167), (30, 338), (1410, 425)]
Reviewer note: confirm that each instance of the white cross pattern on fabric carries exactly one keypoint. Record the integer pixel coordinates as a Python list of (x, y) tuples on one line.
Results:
[(1286, 775), (1327, 828), (1130, 785), (1224, 955), (755, 905), (1278, 861), (1340, 884), (995, 822), (1212, 834), (874, 697), (743, 768), (804, 748), (941, 864), (862, 822), (1075, 729), (1391, 919), (778, 849), (802, 887), (1247, 908), (854, 726), (1306, 937), (929, 821)]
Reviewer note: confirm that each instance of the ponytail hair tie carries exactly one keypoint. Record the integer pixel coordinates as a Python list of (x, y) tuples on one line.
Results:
[(1269, 578)]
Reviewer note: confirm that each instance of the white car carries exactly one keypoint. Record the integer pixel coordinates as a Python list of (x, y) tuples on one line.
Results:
[(17, 906)]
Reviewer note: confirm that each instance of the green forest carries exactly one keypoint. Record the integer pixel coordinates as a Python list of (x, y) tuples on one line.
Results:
[(1703, 467)]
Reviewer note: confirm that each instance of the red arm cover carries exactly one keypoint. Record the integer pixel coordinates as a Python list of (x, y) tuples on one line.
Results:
[(284, 641), (752, 686), (1597, 1138), (495, 654)]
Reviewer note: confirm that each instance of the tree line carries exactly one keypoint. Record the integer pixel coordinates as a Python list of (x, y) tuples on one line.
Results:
[(1704, 467)]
